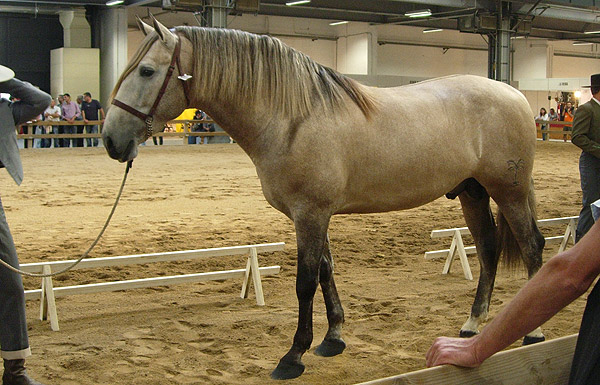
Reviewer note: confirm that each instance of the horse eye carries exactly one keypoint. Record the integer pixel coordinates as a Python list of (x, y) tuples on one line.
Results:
[(146, 72)]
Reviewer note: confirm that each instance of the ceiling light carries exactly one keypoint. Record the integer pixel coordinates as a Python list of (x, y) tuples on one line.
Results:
[(590, 32), (338, 23), (582, 43), (114, 2), (429, 30), (419, 13), (298, 2)]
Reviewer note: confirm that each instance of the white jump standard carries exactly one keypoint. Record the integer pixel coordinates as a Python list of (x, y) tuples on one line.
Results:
[(47, 293)]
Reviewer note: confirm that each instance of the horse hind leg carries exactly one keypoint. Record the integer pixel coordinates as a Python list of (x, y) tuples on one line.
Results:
[(332, 343), (475, 204), (517, 220)]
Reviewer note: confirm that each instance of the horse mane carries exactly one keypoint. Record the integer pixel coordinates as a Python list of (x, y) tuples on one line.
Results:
[(240, 66)]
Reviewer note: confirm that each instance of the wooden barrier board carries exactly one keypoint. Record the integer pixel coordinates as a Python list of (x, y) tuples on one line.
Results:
[(544, 363)]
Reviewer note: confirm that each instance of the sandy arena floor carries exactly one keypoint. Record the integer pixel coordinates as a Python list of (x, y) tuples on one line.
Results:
[(188, 197)]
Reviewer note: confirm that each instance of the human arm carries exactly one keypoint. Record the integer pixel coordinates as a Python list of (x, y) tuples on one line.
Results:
[(32, 100), (581, 131), (559, 282), (102, 113)]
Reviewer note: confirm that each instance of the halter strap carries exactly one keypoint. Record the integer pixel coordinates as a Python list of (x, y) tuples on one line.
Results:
[(149, 117)]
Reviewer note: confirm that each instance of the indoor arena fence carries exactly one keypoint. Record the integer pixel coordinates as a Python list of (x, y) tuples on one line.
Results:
[(27, 131), (48, 292), (457, 247)]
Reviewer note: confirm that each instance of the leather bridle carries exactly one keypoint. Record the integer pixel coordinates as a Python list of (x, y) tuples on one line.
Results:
[(148, 118)]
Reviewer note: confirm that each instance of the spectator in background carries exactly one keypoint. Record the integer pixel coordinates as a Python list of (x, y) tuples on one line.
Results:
[(552, 116), (568, 115), (543, 116), (89, 111), (70, 111), (79, 127), (52, 114), (197, 127)]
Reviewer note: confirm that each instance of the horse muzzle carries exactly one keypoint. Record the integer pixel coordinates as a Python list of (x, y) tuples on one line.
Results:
[(124, 155)]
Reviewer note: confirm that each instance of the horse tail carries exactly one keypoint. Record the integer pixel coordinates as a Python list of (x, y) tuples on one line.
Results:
[(507, 247)]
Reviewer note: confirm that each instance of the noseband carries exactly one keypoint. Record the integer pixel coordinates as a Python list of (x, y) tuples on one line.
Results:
[(149, 117)]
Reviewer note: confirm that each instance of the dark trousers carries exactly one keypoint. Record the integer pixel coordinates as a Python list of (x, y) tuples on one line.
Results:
[(589, 171), (58, 130), (13, 324), (66, 141), (585, 368), (79, 141)]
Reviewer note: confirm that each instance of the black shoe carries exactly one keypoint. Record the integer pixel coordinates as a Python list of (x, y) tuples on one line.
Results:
[(15, 374)]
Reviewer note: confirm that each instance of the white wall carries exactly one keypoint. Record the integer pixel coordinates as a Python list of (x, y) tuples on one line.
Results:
[(406, 60), (530, 59), (75, 71)]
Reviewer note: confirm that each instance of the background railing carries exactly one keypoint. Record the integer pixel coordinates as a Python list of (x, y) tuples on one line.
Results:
[(554, 129), (28, 130)]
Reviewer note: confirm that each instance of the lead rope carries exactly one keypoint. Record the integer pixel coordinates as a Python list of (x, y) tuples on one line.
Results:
[(89, 249)]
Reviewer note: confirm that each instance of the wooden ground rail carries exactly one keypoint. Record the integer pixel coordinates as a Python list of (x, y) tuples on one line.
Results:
[(544, 363), (47, 293), (457, 246)]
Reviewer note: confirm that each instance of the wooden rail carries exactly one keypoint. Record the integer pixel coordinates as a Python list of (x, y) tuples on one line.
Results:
[(559, 134), (187, 130), (544, 363), (47, 293)]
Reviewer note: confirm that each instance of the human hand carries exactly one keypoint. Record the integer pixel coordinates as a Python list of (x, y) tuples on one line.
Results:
[(454, 351)]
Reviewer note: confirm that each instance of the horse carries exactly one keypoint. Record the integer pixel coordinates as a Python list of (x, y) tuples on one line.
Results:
[(323, 144)]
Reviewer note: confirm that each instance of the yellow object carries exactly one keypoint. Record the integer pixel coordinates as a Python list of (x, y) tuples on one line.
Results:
[(185, 115)]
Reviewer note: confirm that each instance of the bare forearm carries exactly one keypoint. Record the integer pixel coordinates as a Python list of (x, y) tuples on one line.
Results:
[(560, 281)]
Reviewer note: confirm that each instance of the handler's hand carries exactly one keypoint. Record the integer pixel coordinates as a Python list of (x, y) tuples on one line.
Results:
[(454, 351)]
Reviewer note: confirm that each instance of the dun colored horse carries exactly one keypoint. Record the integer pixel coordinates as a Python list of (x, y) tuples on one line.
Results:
[(323, 144)]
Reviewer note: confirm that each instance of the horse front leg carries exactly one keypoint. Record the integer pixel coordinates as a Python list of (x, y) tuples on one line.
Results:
[(311, 235), (332, 343)]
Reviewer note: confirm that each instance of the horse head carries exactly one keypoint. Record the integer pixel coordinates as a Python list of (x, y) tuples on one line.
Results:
[(151, 91)]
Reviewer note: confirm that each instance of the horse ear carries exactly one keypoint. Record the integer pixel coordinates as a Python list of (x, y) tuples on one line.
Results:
[(145, 28), (162, 31)]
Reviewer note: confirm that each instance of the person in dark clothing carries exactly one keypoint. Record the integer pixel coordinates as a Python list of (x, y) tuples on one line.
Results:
[(586, 135), (89, 110), (14, 343)]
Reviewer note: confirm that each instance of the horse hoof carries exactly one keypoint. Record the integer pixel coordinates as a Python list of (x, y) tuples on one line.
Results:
[(287, 370), (466, 333), (532, 340), (330, 348)]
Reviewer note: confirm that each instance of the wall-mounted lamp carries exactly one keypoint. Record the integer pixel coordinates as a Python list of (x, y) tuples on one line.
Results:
[(582, 43), (338, 23), (430, 30), (419, 13), (110, 3), (591, 32)]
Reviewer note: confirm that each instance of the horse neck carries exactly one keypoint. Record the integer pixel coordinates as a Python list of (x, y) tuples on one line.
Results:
[(254, 128)]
